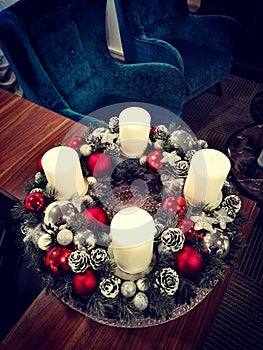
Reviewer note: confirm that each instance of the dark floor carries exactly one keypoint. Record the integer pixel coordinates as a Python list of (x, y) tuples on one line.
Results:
[(239, 320)]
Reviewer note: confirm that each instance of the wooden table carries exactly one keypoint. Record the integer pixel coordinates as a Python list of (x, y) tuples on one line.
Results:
[(28, 130)]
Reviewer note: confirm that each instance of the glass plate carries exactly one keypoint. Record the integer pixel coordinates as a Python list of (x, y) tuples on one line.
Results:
[(142, 322)]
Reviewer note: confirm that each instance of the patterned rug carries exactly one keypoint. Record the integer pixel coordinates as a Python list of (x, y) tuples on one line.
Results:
[(239, 321)]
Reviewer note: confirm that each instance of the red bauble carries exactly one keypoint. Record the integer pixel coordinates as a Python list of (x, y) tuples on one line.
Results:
[(35, 201), (99, 164), (76, 142), (95, 216), (57, 260), (84, 283), (189, 261), (39, 163), (154, 159), (175, 204), (187, 227)]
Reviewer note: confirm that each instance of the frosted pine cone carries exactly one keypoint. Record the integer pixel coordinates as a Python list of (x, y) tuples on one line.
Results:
[(78, 261), (232, 202)]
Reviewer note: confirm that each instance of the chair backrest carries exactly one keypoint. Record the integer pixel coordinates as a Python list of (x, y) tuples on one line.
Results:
[(151, 16), (58, 49)]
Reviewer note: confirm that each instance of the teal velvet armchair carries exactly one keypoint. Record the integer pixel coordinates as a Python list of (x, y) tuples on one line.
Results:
[(200, 47), (58, 51)]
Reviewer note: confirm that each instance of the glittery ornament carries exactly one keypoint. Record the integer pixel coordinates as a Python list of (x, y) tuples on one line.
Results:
[(84, 283), (35, 201), (154, 158), (175, 205), (223, 217), (128, 289), (170, 158), (217, 243), (76, 142), (202, 221), (64, 237), (44, 241), (140, 301), (56, 260), (187, 227), (59, 212)]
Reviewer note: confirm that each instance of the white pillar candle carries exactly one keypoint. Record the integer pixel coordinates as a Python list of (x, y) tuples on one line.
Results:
[(62, 168), (208, 171), (134, 123), (132, 231)]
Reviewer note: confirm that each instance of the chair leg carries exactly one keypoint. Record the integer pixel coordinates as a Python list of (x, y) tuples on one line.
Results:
[(218, 88)]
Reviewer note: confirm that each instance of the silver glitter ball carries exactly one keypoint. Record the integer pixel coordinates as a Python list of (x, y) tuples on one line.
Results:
[(64, 237), (128, 289), (140, 301), (141, 285), (44, 241)]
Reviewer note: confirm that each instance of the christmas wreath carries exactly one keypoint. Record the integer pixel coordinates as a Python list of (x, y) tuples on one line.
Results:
[(69, 241)]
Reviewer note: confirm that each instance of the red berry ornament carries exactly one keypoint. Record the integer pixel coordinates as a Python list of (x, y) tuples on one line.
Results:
[(95, 216), (154, 159), (175, 204), (187, 227), (84, 283), (35, 201), (57, 260), (76, 142), (189, 261), (99, 164)]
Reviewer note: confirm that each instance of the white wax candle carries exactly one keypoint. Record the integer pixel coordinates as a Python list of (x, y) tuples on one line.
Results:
[(132, 232), (62, 168), (208, 171), (134, 123)]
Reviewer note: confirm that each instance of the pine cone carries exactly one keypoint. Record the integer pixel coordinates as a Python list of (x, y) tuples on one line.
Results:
[(78, 261)]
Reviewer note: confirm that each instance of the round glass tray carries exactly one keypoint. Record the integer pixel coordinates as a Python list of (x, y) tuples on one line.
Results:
[(142, 322)]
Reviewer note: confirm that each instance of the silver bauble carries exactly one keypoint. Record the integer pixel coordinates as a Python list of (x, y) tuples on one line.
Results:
[(64, 237), (141, 284), (59, 212), (140, 301), (44, 241), (128, 289), (216, 242)]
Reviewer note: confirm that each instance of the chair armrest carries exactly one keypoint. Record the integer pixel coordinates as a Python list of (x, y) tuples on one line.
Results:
[(154, 50), (161, 83), (217, 32), (83, 119)]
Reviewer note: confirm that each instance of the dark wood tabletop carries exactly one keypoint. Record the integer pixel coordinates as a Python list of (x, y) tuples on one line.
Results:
[(27, 130)]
